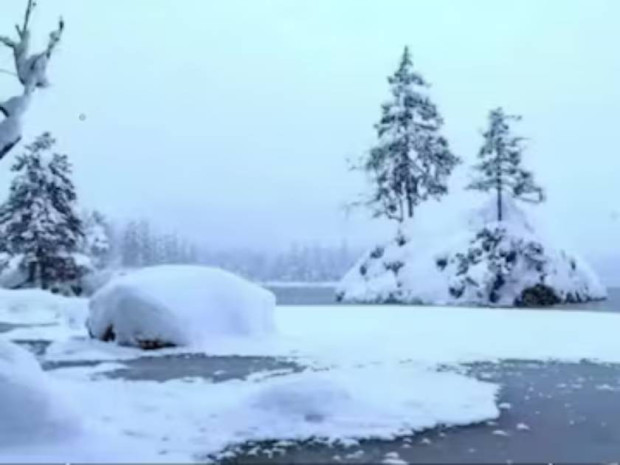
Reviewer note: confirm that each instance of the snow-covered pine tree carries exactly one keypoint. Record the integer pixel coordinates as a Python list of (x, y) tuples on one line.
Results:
[(411, 161), (500, 169), (40, 220), (30, 70), (97, 239)]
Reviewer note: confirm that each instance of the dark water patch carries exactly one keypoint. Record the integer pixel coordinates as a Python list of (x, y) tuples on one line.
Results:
[(37, 347), (54, 365), (611, 304), (304, 295), (6, 327), (215, 369), (550, 412), (326, 295)]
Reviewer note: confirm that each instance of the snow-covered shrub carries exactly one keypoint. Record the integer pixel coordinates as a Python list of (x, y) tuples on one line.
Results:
[(498, 263), (174, 305), (31, 408)]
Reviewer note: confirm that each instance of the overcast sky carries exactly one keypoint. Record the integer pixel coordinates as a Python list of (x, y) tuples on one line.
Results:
[(232, 121)]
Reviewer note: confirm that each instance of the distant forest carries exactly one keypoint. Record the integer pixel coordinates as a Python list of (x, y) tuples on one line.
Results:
[(138, 244)]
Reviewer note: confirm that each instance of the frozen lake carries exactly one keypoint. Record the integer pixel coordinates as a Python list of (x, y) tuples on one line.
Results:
[(326, 295)]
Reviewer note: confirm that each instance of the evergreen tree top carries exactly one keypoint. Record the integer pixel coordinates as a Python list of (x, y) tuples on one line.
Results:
[(405, 74), (410, 107), (411, 160), (500, 167)]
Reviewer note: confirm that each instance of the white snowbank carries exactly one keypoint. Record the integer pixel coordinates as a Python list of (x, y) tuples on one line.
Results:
[(31, 408), (351, 334), (186, 420), (97, 279), (490, 263), (348, 335), (36, 307), (180, 306), (377, 402), (13, 274)]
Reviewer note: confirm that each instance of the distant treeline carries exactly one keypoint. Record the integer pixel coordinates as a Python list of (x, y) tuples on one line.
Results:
[(138, 244)]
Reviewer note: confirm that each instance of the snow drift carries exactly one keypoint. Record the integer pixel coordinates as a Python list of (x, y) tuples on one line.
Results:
[(14, 274), (494, 263), (167, 306), (37, 307), (370, 402), (94, 281), (31, 407)]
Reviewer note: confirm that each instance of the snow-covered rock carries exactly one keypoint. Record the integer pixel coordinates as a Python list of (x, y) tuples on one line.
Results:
[(495, 263), (31, 408), (177, 305)]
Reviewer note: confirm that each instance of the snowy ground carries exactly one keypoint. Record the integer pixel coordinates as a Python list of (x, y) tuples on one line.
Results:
[(550, 413), (369, 372)]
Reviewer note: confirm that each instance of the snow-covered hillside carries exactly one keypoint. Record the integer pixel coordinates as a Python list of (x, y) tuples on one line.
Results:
[(505, 263)]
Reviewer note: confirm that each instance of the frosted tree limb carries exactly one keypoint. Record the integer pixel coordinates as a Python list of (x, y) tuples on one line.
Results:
[(30, 70)]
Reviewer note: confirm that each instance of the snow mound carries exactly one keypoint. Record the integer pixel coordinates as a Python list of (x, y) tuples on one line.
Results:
[(31, 406), (493, 263), (166, 306), (13, 274), (97, 279), (193, 419), (37, 307), (372, 402)]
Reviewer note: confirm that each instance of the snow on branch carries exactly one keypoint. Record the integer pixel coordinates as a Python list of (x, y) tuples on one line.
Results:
[(30, 70)]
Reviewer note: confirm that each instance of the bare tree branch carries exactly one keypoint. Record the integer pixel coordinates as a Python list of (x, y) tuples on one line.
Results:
[(6, 71), (55, 38), (30, 70), (7, 148), (8, 42), (31, 6)]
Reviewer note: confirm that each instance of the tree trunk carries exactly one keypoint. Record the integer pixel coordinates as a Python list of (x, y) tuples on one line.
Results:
[(409, 207), (32, 274), (498, 161), (499, 203)]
